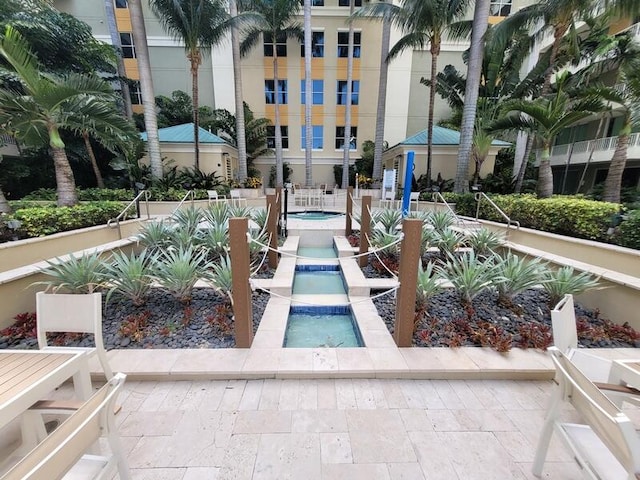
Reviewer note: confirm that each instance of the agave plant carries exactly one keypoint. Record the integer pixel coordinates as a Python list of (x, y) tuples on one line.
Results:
[(255, 249), (390, 220), (441, 220), (448, 241), (182, 238), (260, 217), (178, 270), (83, 274), (188, 219), (484, 242), (215, 240), (428, 284), (517, 275), (220, 276), (217, 213), (239, 211), (130, 276), (389, 253), (155, 235), (468, 275), (428, 238), (559, 282)]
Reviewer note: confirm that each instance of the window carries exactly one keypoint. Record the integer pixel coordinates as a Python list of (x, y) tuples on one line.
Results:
[(280, 45), (342, 92), (317, 45), (500, 8), (135, 93), (345, 3), (343, 44), (121, 4), (271, 136), (316, 142), (269, 92), (314, 3), (126, 42), (340, 138), (317, 91)]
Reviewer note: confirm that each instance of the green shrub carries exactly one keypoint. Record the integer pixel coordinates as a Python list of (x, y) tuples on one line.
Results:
[(41, 221), (629, 235), (106, 195), (564, 215)]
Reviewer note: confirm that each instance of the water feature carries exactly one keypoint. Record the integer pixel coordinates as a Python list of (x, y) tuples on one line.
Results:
[(312, 215), (318, 280), (322, 326)]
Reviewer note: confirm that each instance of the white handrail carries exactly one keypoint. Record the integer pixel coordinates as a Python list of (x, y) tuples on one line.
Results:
[(115, 222)]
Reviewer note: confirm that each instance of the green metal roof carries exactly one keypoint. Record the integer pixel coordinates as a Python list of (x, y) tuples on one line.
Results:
[(442, 136), (184, 134)]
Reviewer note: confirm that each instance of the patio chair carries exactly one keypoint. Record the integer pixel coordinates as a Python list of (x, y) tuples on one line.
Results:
[(414, 199), (213, 196), (388, 199), (63, 454), (597, 369), (236, 198), (63, 312), (606, 444)]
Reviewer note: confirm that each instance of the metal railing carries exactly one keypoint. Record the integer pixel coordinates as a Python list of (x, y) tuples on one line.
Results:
[(479, 196), (190, 193), (115, 222), (435, 196)]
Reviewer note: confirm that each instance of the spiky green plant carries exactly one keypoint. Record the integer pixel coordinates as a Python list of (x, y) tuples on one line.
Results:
[(255, 249), (220, 276), (441, 220), (188, 219), (428, 238), (83, 274), (217, 213), (215, 240), (564, 280), (178, 270), (448, 241), (469, 275), (260, 217), (181, 238), (389, 220), (484, 242), (239, 211), (155, 235), (428, 284), (517, 275), (381, 239), (130, 276)]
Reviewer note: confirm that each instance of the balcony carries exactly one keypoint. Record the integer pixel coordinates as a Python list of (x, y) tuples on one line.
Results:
[(8, 146), (602, 148)]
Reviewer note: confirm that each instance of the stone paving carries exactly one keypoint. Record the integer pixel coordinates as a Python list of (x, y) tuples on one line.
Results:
[(337, 429)]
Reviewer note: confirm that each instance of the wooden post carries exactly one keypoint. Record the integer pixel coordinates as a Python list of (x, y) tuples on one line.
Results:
[(272, 230), (347, 228), (365, 230), (242, 308), (408, 277)]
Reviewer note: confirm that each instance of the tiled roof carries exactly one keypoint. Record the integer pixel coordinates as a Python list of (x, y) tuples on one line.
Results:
[(184, 134), (442, 136)]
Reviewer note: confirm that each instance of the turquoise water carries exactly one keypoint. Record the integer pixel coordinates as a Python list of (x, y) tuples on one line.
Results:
[(322, 330), (317, 252), (318, 283), (313, 215)]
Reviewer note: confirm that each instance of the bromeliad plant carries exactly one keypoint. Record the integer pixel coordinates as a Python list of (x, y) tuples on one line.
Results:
[(220, 276), (130, 276), (389, 254), (215, 240), (484, 242), (428, 286), (155, 236), (178, 270), (83, 274), (217, 214), (390, 220), (559, 282), (448, 241), (188, 219), (517, 274), (469, 275), (441, 220)]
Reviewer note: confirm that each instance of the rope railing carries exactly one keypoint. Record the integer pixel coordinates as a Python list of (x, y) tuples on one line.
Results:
[(375, 252)]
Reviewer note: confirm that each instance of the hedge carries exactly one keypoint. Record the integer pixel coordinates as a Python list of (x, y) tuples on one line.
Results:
[(118, 194), (629, 231), (564, 215), (41, 221)]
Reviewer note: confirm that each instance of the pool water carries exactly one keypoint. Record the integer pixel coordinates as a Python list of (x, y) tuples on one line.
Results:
[(317, 252), (321, 327), (314, 215), (318, 283)]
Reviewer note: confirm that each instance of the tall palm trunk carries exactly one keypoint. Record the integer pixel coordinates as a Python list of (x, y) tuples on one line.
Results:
[(241, 137), (347, 109), (146, 85), (382, 99), (435, 51), (195, 59), (279, 166), (474, 72), (558, 35), (308, 95), (545, 175), (92, 159), (613, 183), (115, 41), (65, 181)]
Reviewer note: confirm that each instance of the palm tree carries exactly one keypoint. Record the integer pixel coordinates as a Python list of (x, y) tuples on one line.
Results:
[(46, 104), (544, 118), (237, 84), (346, 147), (115, 41), (200, 24), (382, 98), (146, 86), (474, 72), (424, 22), (277, 23), (308, 96), (4, 205)]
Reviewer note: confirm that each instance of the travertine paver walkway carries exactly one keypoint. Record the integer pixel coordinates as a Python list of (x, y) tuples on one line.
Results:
[(337, 429)]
